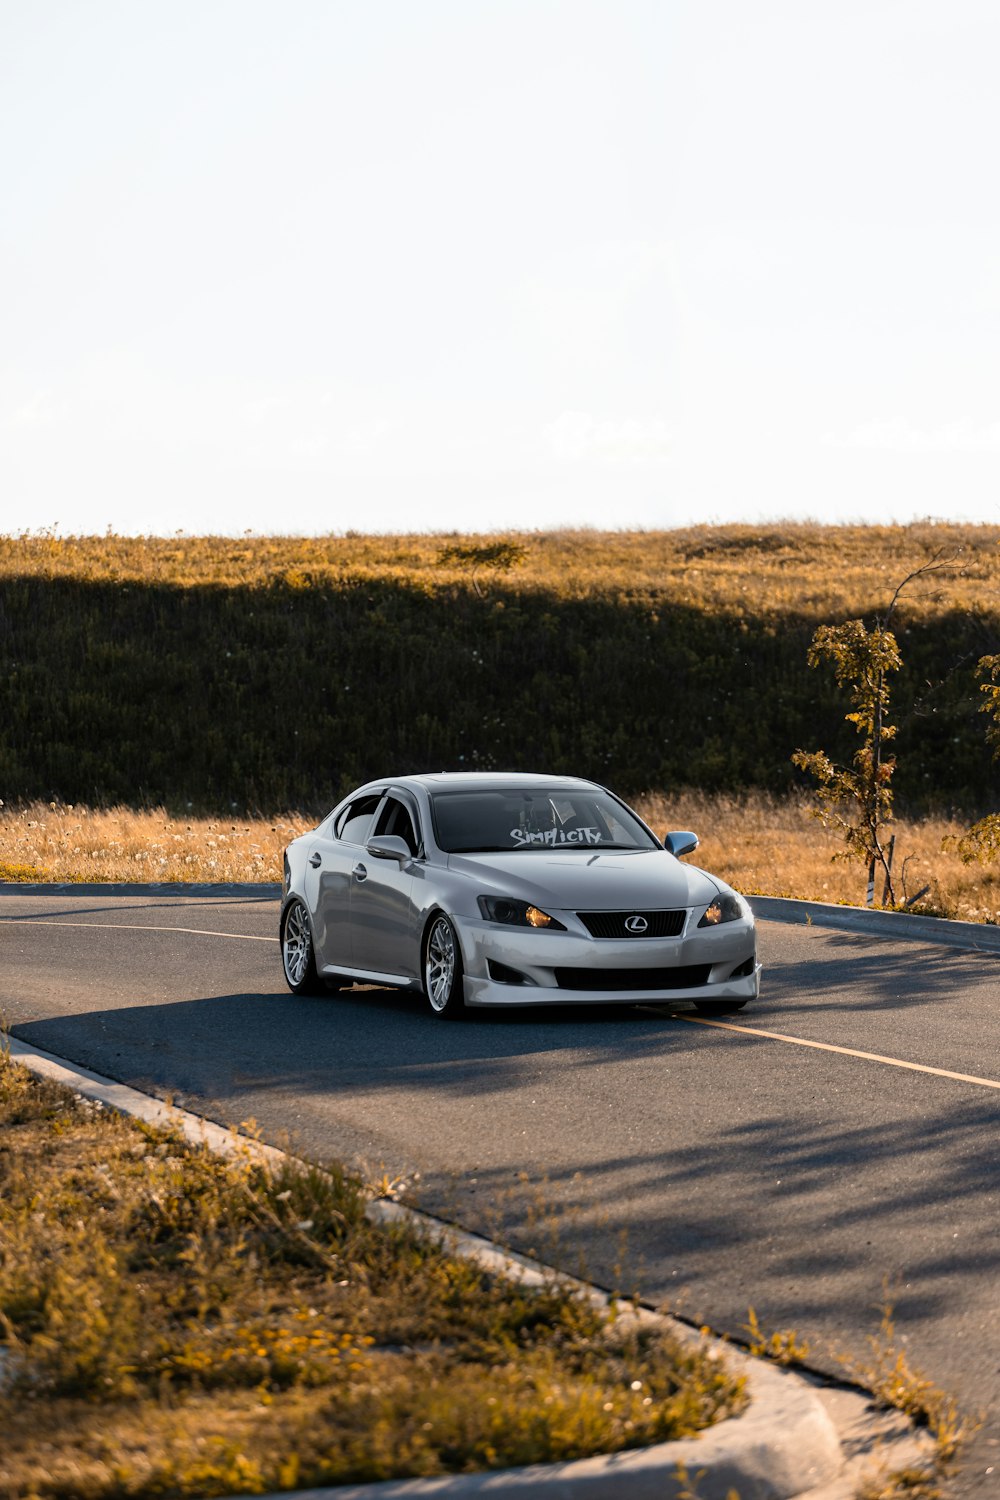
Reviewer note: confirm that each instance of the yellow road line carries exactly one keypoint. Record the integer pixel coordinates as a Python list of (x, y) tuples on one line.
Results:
[(798, 1041), (244, 937)]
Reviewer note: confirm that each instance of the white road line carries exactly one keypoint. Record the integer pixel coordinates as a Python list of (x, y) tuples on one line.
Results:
[(243, 937), (798, 1041)]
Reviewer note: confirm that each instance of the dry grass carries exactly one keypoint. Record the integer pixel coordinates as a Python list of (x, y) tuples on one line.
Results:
[(762, 845), (48, 841), (823, 570), (769, 846)]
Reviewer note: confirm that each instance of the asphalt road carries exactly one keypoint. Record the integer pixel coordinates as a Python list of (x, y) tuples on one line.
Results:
[(713, 1166)]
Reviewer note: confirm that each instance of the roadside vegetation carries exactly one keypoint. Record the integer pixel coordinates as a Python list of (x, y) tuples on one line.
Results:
[(763, 845), (261, 674), (174, 1322)]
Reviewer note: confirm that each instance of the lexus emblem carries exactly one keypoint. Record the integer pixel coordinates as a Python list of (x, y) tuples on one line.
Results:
[(636, 925)]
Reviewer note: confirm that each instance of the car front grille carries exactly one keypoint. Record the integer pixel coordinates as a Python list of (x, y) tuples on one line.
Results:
[(684, 977), (611, 924)]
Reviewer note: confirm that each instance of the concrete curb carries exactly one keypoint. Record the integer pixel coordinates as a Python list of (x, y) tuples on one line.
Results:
[(977, 936), (783, 1445)]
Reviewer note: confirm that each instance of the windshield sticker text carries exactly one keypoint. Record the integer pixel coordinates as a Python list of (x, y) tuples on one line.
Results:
[(522, 836)]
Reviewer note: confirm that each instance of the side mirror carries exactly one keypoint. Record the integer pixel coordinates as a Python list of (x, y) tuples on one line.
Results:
[(388, 846), (680, 843)]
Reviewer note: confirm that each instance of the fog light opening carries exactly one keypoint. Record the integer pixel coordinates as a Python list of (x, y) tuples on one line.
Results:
[(504, 974), (745, 969)]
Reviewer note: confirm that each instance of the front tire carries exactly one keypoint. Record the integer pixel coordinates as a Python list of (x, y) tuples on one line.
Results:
[(297, 956), (443, 983)]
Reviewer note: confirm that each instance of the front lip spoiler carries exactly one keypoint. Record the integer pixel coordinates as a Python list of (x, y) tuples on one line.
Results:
[(484, 992)]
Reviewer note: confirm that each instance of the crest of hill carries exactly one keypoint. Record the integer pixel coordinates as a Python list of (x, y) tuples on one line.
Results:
[(803, 568)]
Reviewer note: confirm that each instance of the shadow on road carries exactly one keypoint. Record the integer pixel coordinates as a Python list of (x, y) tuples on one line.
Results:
[(850, 973), (690, 1167)]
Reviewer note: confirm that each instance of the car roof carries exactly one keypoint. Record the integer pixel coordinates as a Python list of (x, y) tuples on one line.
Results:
[(485, 781)]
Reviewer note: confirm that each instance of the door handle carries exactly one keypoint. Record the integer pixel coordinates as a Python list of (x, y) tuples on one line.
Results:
[(315, 860), (360, 872)]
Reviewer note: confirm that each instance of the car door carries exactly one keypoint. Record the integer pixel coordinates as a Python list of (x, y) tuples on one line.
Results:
[(384, 920), (330, 876)]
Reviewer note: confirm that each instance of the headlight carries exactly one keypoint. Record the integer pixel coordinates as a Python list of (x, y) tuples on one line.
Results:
[(724, 909), (516, 913)]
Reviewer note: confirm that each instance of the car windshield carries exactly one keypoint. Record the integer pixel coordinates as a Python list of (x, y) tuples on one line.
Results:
[(533, 818)]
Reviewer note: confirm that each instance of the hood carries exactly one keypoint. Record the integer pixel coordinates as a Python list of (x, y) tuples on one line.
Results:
[(640, 880)]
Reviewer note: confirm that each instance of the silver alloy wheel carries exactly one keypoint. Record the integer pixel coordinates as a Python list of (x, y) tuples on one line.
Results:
[(296, 947), (439, 964)]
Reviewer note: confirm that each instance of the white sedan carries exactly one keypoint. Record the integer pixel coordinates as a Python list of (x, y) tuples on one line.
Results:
[(477, 888)]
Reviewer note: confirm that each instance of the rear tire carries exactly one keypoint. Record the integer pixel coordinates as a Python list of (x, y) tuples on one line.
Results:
[(297, 957), (442, 970)]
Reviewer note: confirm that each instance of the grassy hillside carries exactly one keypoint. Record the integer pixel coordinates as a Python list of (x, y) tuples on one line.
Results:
[(276, 672)]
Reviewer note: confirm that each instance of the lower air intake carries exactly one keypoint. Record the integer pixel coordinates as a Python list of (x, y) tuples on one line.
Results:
[(687, 977), (504, 974)]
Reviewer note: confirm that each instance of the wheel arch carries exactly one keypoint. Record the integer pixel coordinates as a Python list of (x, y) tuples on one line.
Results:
[(435, 912), (291, 897), (429, 918)]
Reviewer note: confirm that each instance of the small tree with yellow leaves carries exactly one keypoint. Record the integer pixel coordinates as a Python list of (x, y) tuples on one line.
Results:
[(857, 799)]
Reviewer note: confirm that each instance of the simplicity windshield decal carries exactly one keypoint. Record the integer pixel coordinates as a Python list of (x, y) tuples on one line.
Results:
[(557, 836)]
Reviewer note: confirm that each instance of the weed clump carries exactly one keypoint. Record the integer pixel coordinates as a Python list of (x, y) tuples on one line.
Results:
[(896, 1383)]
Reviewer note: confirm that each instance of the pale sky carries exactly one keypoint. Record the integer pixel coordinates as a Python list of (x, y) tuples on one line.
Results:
[(382, 265)]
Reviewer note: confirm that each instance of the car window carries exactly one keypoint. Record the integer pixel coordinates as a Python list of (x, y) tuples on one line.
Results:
[(353, 823), (395, 819), (535, 818)]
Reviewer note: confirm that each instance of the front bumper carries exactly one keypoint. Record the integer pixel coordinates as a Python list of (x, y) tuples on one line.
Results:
[(699, 966)]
